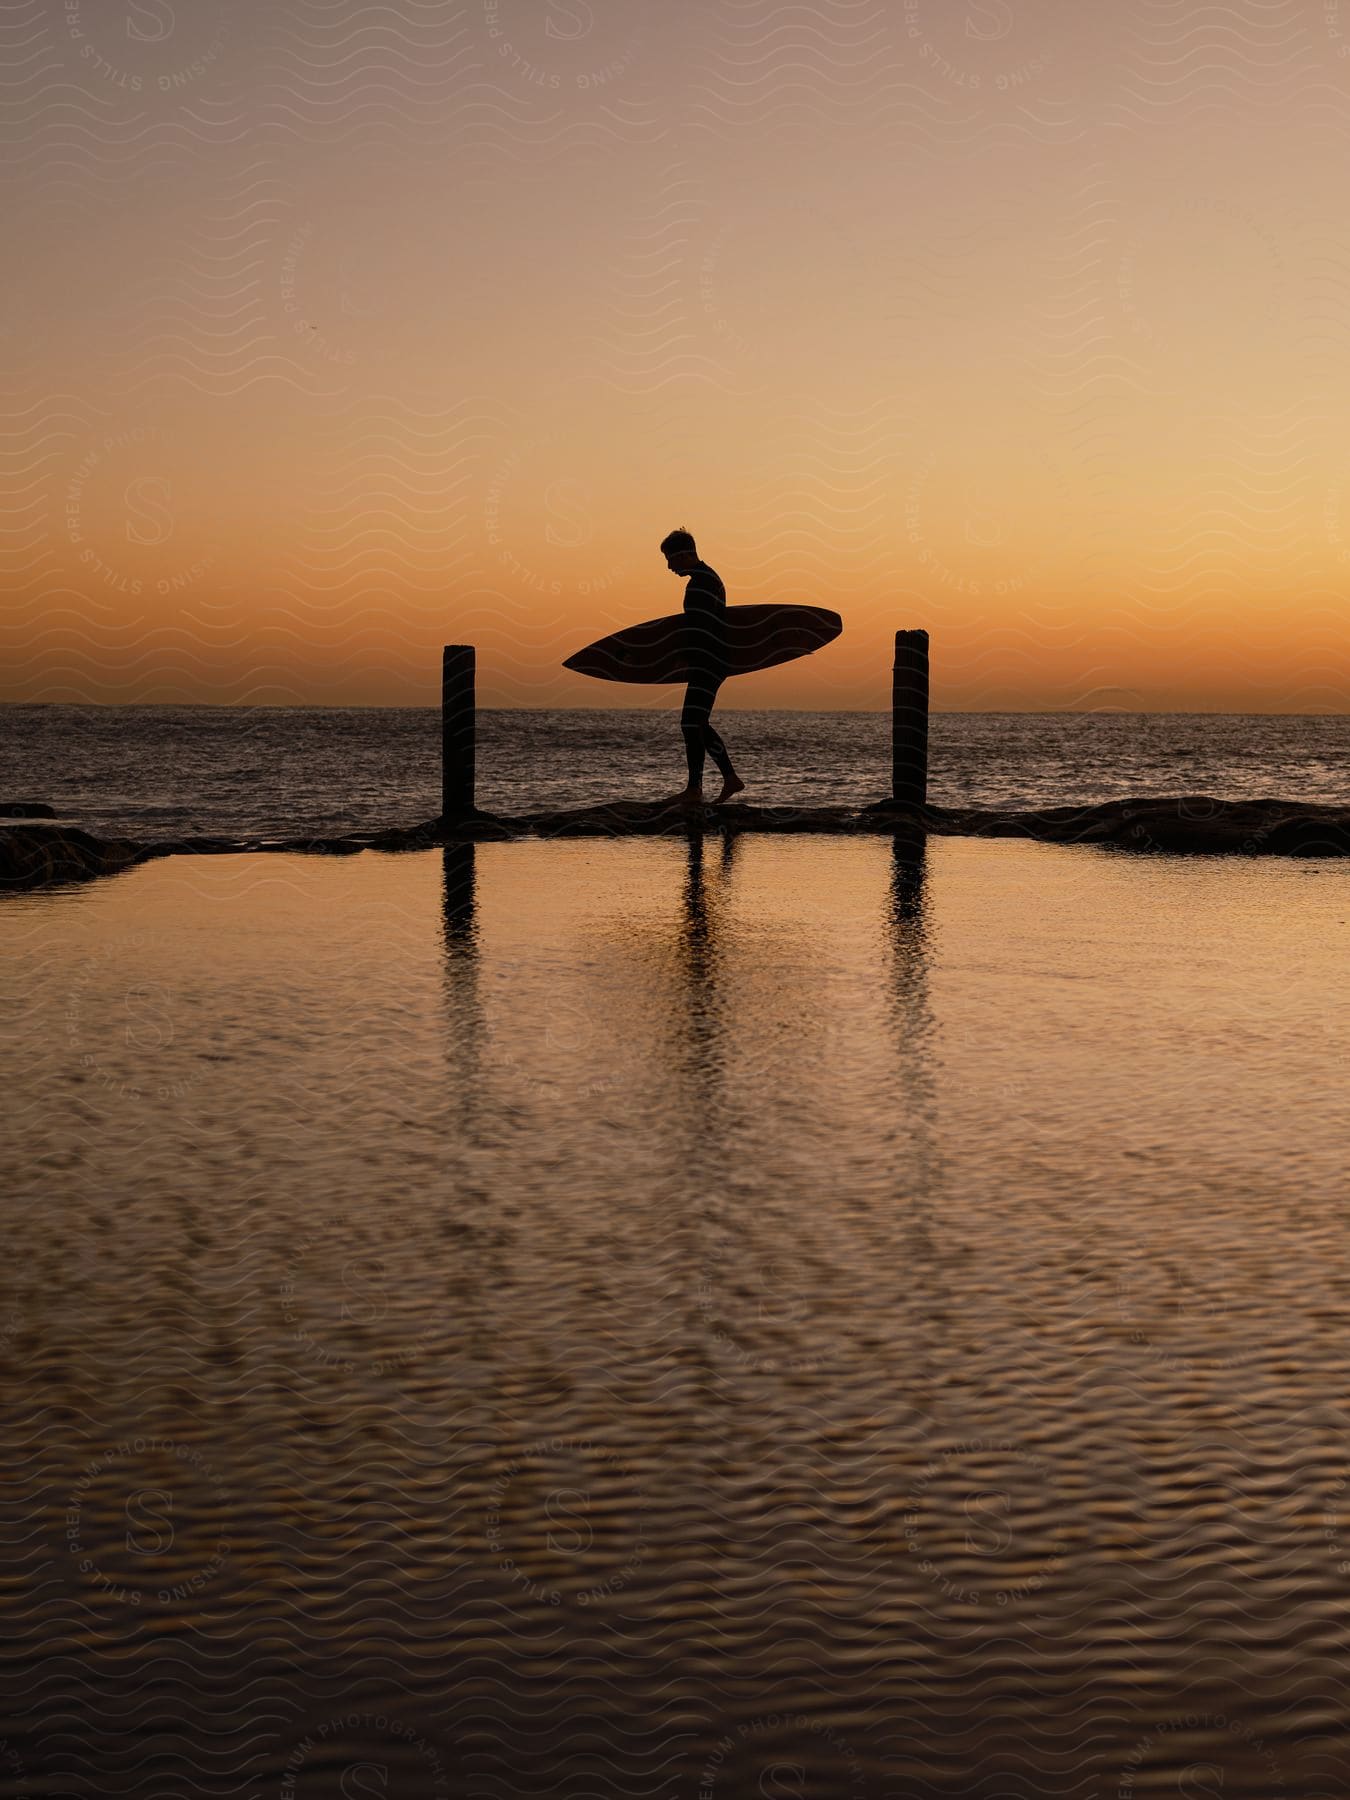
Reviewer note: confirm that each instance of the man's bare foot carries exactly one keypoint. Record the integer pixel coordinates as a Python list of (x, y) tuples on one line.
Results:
[(731, 785), (687, 797)]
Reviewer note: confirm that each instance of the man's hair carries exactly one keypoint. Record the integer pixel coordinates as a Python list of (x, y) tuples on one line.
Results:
[(679, 543)]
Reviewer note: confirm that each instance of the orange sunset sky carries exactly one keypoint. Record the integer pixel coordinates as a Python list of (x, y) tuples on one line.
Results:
[(337, 332)]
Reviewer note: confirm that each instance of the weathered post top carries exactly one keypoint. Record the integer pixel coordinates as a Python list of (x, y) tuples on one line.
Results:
[(458, 729), (909, 719)]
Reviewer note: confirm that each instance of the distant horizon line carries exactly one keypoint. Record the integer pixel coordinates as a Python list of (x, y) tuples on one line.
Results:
[(950, 712)]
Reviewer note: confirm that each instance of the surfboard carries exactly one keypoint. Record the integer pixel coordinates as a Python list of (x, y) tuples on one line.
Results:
[(757, 637)]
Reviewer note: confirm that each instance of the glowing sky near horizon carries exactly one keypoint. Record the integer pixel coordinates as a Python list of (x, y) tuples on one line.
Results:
[(341, 331)]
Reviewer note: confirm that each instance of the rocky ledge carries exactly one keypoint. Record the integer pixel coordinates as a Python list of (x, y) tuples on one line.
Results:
[(48, 855), (1191, 823), (40, 855)]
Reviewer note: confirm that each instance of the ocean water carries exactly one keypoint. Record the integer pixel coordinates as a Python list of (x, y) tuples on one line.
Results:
[(735, 1318), (166, 771)]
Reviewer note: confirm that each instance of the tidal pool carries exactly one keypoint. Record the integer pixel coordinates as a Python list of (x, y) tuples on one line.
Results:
[(749, 1318)]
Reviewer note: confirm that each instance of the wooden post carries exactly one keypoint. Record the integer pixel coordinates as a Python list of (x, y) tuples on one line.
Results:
[(458, 729), (909, 719)]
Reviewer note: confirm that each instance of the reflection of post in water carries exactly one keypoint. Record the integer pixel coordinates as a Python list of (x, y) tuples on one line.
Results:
[(909, 865), (915, 1029), (458, 896), (465, 1031), (462, 1201), (916, 1054)]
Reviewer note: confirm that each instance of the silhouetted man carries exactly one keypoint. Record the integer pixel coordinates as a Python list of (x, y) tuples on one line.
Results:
[(705, 603)]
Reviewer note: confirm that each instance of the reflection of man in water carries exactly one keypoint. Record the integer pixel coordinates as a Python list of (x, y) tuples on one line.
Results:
[(705, 602)]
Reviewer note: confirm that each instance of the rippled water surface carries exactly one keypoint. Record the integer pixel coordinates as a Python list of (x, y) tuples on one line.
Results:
[(157, 771), (633, 1318)]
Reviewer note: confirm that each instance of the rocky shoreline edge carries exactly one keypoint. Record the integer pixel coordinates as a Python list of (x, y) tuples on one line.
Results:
[(34, 853)]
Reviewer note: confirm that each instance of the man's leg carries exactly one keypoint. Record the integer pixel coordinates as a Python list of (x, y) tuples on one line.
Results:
[(718, 752), (731, 781), (693, 755), (698, 699)]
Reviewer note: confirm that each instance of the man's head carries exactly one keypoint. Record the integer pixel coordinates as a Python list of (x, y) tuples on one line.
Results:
[(680, 551)]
